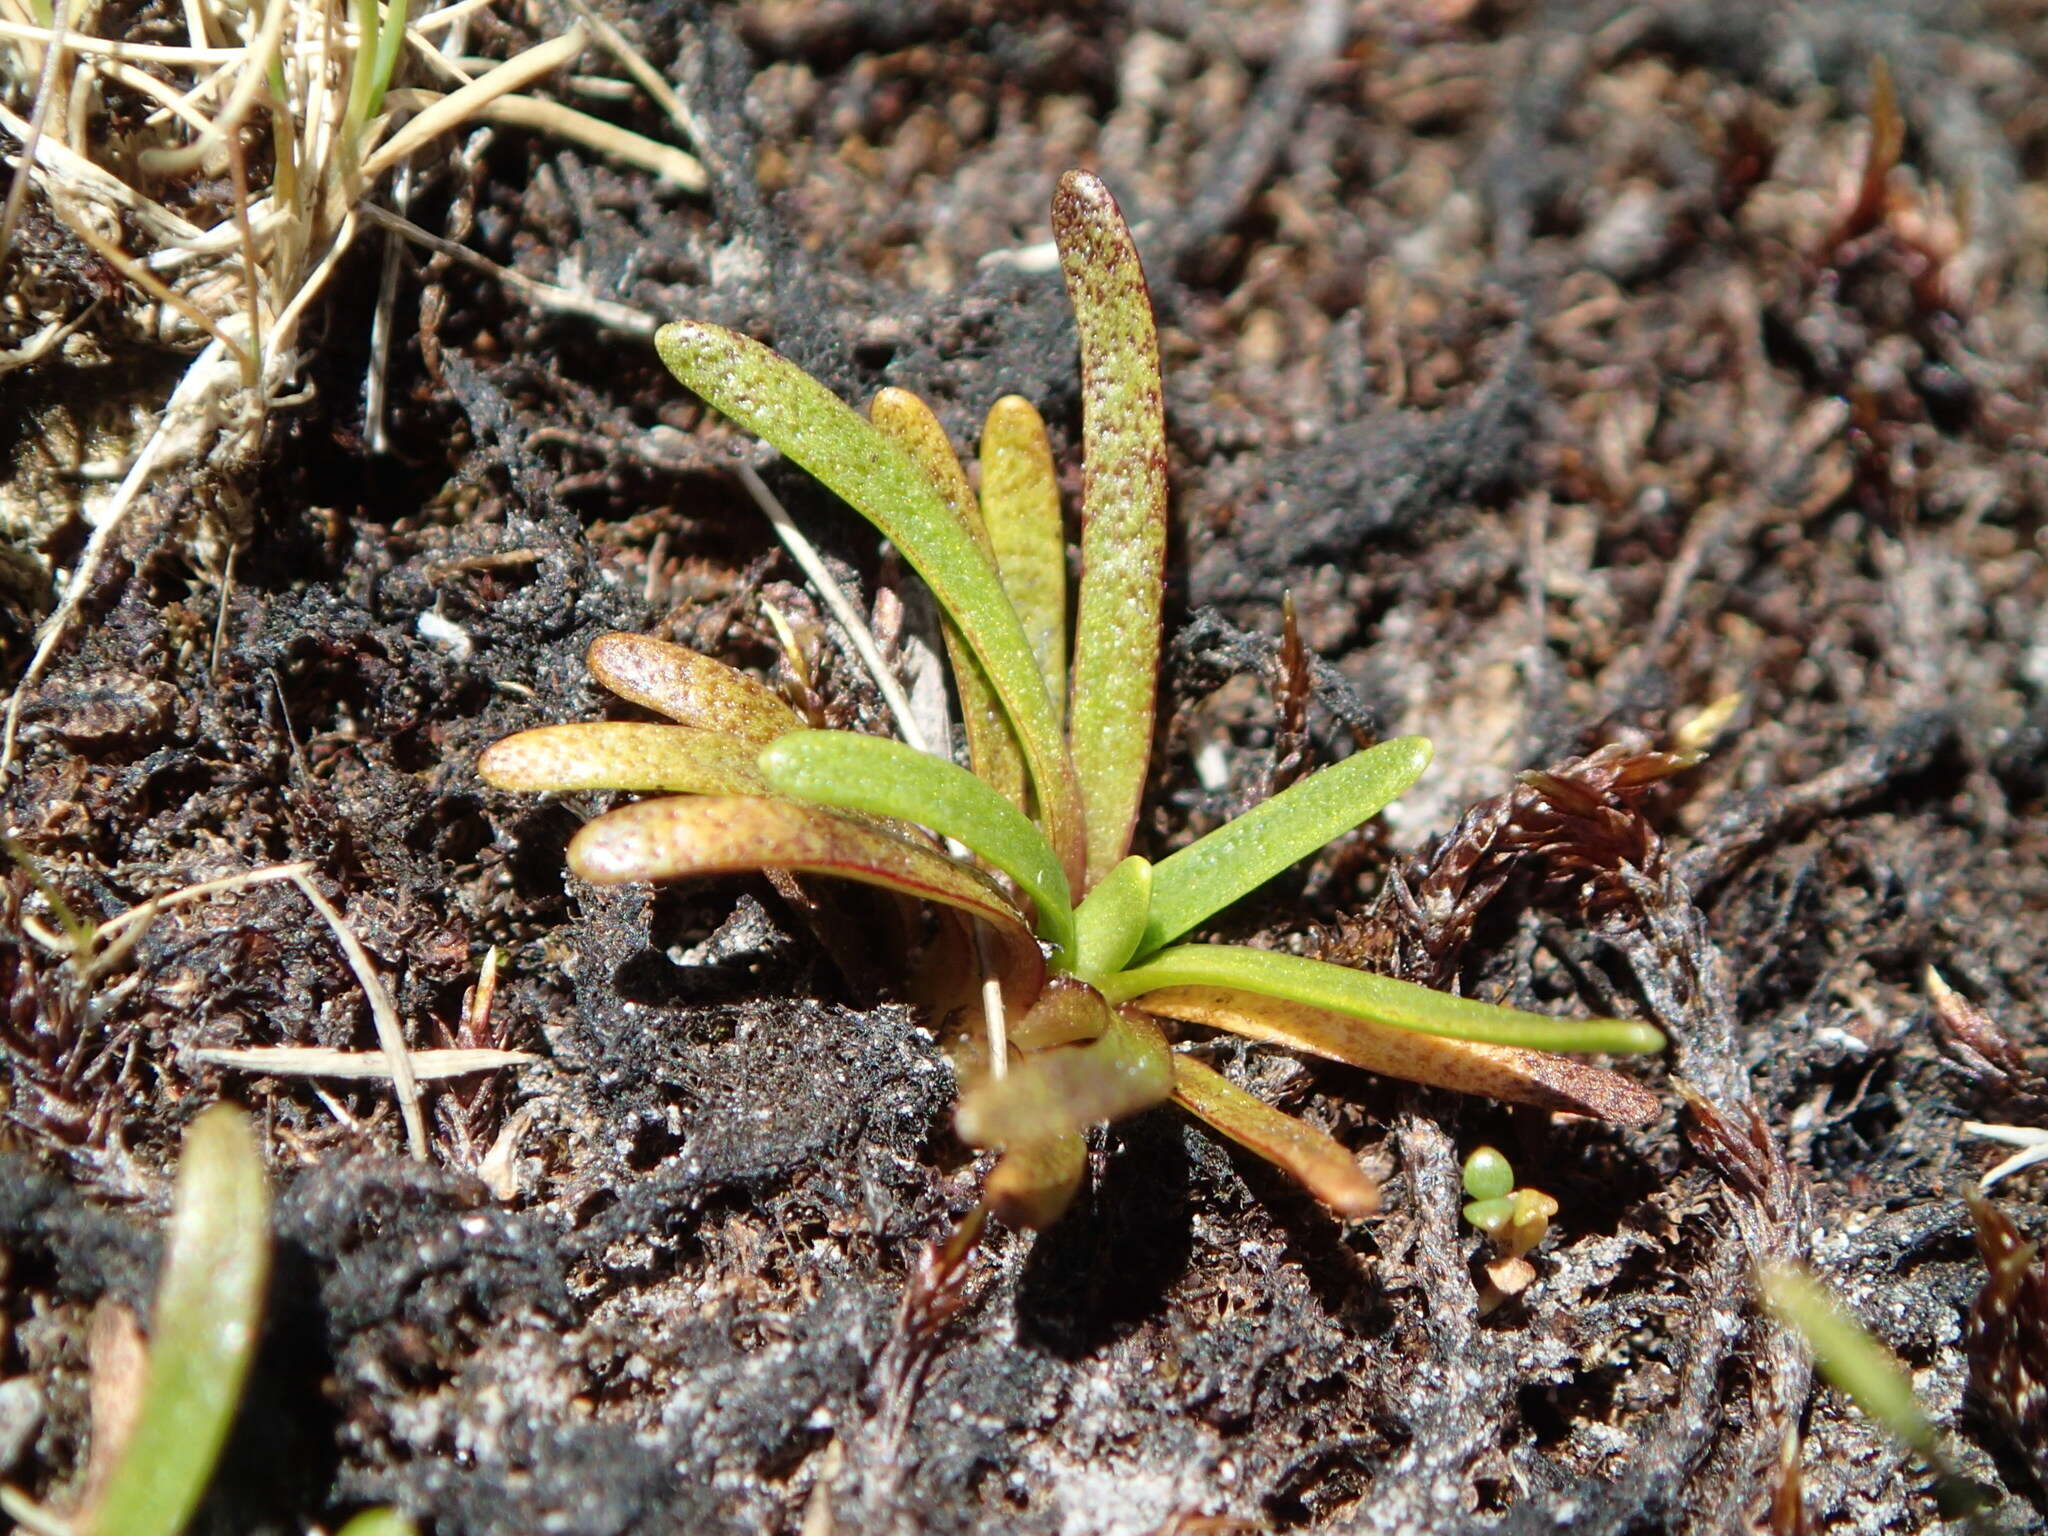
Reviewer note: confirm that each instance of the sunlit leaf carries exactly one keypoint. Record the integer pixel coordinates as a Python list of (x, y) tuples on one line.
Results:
[(1020, 505), (1317, 1160), (1031, 1186), (781, 403), (679, 837), (203, 1334), (887, 778), (1240, 856), (690, 689), (1504, 1072), (1108, 924), (1123, 514), (676, 759), (1376, 999), (992, 746), (1049, 1093)]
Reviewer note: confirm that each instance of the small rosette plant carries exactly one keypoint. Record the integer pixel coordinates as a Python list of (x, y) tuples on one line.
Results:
[(1083, 938)]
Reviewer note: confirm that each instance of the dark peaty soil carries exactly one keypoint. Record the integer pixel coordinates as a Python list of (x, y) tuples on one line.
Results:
[(1552, 356)]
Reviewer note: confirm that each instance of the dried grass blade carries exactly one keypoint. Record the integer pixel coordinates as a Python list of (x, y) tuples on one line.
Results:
[(456, 108)]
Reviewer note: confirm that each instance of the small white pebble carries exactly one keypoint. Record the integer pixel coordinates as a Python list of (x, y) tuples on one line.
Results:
[(447, 634)]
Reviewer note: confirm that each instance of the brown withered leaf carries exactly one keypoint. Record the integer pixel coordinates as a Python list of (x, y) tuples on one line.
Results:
[(1994, 1062), (1577, 827), (2007, 1335)]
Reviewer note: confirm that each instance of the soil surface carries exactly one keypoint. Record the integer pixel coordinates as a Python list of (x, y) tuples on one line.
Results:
[(1574, 366)]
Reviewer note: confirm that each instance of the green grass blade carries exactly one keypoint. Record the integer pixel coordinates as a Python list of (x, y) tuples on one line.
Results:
[(1123, 515), (1376, 999), (1020, 505), (1207, 876), (1858, 1366), (1318, 1161), (1508, 1073), (887, 778), (690, 689), (778, 401), (670, 759), (991, 744), (362, 71), (390, 41), (686, 836), (203, 1336), (1109, 923)]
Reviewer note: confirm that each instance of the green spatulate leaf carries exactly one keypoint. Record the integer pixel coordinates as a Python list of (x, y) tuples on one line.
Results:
[(1108, 924), (781, 403), (203, 1334), (1242, 855), (1378, 999), (1123, 515), (887, 778), (678, 837)]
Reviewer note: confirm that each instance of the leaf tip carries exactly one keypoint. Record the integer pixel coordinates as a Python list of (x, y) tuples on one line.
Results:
[(604, 853), (1081, 193), (498, 765)]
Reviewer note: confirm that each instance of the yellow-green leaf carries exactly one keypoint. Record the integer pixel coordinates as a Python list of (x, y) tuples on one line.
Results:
[(1031, 1186), (676, 759), (991, 745), (1504, 1072), (1381, 1000), (1020, 504), (680, 837), (772, 397), (1123, 515), (690, 689), (1124, 1070), (1331, 1174)]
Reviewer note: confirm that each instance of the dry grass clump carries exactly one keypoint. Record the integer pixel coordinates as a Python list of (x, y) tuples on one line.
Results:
[(196, 194)]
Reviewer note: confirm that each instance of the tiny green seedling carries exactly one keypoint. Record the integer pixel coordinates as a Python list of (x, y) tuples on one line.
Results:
[(1515, 1222), (1084, 935)]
